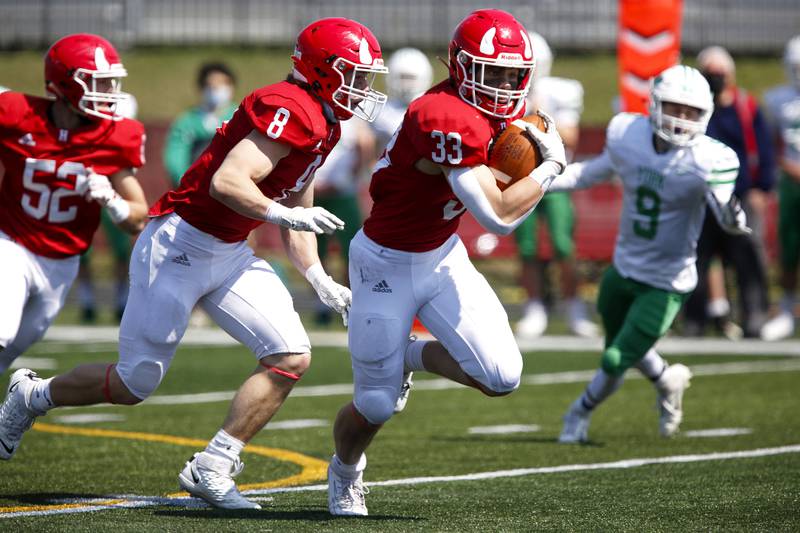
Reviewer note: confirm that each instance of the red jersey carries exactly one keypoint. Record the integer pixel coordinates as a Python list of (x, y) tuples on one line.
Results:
[(414, 211), (285, 113), (39, 207)]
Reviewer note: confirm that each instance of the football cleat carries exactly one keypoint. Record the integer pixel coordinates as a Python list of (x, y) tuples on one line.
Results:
[(671, 386), (405, 392), (346, 497), (16, 417), (533, 322), (779, 327), (210, 478), (576, 425)]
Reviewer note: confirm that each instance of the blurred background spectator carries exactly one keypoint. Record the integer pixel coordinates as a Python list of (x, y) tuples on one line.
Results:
[(562, 99), (739, 123), (191, 132), (783, 112)]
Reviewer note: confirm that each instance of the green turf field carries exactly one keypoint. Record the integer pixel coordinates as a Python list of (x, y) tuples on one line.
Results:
[(162, 79), (139, 455)]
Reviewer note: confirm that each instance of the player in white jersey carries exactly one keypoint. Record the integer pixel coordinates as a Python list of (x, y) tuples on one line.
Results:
[(670, 170), (562, 99), (410, 75), (782, 106)]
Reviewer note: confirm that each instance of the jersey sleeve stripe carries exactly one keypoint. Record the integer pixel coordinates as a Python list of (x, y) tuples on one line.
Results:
[(721, 181), (724, 170)]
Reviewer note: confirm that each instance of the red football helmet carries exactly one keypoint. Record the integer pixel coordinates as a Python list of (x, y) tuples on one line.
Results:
[(339, 58), (86, 71), (489, 41)]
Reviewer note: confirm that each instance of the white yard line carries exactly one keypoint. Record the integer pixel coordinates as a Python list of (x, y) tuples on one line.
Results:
[(552, 378), (556, 343), (147, 501)]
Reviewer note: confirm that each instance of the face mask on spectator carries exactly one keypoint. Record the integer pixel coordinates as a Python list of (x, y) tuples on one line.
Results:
[(716, 82), (216, 97)]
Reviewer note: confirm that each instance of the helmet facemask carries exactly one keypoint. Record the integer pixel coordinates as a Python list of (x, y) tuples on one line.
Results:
[(355, 93), (494, 101), (96, 102), (675, 130)]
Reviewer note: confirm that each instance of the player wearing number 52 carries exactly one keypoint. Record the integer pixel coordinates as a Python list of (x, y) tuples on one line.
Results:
[(65, 158), (670, 171), (258, 168)]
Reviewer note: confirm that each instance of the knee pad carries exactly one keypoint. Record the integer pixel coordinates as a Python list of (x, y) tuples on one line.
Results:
[(611, 363), (376, 404), (505, 375), (143, 378)]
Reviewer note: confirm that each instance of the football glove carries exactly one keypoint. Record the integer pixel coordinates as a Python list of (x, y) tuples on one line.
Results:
[(337, 297), (314, 219), (731, 217), (549, 142)]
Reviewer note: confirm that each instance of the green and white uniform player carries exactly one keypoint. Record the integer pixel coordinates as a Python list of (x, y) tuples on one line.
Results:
[(670, 170), (782, 105), (562, 99)]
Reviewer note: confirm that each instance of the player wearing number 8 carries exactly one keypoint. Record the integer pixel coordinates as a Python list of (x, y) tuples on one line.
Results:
[(65, 158), (258, 168), (409, 261), (669, 170)]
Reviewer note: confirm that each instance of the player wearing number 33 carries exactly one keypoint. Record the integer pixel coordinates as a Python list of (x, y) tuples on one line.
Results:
[(670, 170), (407, 260), (65, 157), (258, 168)]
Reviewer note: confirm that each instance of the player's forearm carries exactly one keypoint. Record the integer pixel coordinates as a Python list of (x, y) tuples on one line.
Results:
[(301, 248), (137, 217), (583, 174), (239, 193)]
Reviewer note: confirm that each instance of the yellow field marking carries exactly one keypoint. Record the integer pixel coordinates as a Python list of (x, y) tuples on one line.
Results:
[(312, 469)]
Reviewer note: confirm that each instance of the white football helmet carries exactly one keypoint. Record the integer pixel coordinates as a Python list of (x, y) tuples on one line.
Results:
[(543, 55), (681, 85), (791, 61), (410, 74)]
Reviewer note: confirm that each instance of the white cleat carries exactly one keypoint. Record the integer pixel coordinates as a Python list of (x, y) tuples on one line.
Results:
[(576, 426), (779, 327), (346, 497), (210, 478), (671, 386), (405, 392), (533, 322), (16, 417)]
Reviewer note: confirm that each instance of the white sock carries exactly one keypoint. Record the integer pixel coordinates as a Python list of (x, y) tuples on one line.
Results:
[(40, 396), (652, 365), (718, 308), (223, 445), (348, 471), (601, 387), (413, 357)]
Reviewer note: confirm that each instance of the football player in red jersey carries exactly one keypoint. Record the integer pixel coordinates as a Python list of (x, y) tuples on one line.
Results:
[(65, 158), (258, 168), (408, 260)]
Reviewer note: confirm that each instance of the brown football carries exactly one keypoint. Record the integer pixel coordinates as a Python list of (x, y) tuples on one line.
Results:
[(514, 153)]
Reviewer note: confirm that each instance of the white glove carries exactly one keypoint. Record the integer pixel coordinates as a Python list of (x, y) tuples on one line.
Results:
[(731, 217), (337, 297), (97, 188), (314, 219), (549, 142)]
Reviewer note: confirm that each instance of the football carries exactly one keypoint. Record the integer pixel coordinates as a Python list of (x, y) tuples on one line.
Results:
[(514, 153)]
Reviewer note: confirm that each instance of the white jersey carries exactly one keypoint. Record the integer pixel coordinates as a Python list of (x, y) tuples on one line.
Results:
[(339, 172), (664, 199), (561, 98), (390, 118), (782, 105)]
